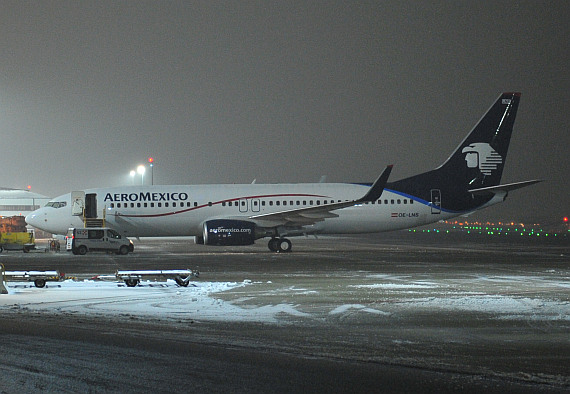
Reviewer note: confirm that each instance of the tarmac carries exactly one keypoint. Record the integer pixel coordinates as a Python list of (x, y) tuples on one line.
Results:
[(396, 312)]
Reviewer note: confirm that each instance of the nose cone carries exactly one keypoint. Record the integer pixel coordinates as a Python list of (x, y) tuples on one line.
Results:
[(35, 219)]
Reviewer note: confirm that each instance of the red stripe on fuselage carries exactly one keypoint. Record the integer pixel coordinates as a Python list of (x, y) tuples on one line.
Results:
[(219, 202)]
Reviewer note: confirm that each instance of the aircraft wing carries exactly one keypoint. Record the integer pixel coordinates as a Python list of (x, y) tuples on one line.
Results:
[(504, 188), (311, 215)]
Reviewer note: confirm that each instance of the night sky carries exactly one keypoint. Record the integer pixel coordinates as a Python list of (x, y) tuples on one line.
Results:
[(285, 91)]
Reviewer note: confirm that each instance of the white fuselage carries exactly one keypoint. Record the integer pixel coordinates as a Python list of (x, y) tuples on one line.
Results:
[(147, 211)]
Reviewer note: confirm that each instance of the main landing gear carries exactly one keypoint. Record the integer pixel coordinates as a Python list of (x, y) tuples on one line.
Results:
[(279, 245)]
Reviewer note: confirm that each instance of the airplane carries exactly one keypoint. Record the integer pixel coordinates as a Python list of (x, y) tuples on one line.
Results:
[(469, 180)]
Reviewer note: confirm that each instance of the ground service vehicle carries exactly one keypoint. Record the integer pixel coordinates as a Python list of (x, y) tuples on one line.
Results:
[(83, 240), (17, 241)]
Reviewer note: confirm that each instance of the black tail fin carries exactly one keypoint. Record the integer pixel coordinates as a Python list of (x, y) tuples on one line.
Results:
[(480, 158), (476, 163)]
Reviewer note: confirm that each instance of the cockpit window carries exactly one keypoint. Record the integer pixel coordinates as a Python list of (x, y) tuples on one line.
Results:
[(56, 204)]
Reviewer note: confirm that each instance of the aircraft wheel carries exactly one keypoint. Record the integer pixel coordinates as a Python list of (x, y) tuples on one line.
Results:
[(40, 283), (273, 244), (181, 282), (284, 245), (131, 282)]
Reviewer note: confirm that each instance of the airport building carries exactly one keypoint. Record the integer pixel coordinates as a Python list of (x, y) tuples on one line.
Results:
[(17, 202)]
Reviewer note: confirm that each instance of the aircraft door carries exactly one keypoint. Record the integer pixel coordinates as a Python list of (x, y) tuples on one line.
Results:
[(435, 201), (243, 205), (91, 205), (77, 203), (255, 205)]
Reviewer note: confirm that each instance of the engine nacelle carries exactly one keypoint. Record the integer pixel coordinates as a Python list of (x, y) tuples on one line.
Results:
[(224, 232)]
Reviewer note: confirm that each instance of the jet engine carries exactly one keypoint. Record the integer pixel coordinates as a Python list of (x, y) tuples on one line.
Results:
[(225, 232)]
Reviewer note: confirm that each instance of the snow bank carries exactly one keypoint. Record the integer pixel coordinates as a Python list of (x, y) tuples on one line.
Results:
[(163, 300)]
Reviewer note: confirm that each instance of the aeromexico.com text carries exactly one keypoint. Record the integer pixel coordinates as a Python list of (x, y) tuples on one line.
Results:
[(142, 196), (230, 230)]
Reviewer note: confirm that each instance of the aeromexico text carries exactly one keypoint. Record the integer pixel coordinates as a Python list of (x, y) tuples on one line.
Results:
[(145, 196)]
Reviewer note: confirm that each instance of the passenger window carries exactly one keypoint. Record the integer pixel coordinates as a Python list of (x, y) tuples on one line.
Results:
[(405, 201), (95, 234), (391, 201), (174, 205), (399, 201), (152, 205), (145, 204), (411, 201)]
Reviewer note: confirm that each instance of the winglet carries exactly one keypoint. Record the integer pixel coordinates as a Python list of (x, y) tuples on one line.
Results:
[(378, 186)]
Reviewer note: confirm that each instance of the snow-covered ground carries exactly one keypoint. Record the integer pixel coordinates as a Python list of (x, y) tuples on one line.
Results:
[(264, 300), (503, 314), (163, 300)]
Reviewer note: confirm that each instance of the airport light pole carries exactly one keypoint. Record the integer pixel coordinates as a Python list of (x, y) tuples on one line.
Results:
[(151, 163), (140, 170)]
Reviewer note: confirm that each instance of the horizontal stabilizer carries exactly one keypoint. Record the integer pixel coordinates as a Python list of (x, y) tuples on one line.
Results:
[(504, 188)]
